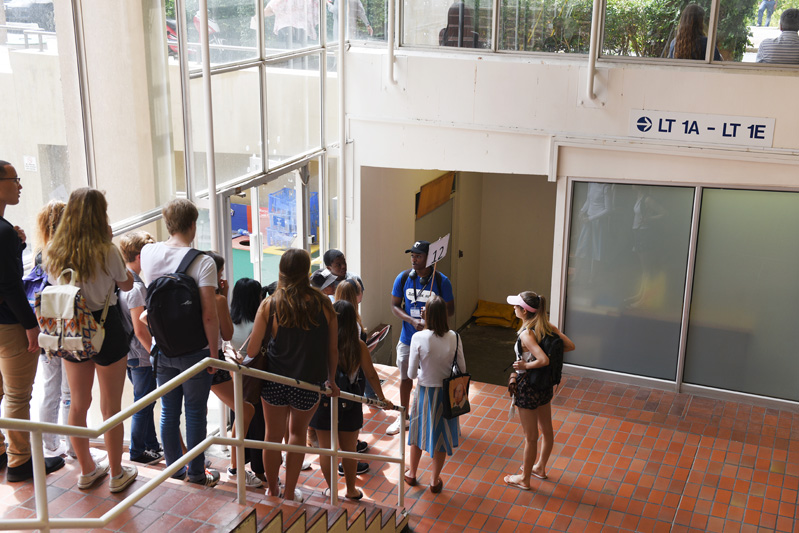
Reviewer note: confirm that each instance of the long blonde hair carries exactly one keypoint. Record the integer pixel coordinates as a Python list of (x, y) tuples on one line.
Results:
[(348, 290), (537, 321), (81, 240), (47, 221), (295, 303)]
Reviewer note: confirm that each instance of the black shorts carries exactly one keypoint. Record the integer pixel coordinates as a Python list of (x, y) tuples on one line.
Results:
[(348, 419), (221, 375), (115, 342)]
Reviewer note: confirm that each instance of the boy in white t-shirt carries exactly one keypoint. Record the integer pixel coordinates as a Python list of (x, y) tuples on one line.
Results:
[(157, 260)]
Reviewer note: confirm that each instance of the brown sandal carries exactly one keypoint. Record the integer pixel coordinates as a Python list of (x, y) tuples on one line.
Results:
[(411, 481), (435, 489)]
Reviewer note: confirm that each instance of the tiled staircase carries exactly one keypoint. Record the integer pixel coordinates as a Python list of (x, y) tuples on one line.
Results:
[(277, 516)]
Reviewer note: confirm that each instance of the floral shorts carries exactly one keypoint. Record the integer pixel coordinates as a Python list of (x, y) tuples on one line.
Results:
[(278, 394), (530, 397)]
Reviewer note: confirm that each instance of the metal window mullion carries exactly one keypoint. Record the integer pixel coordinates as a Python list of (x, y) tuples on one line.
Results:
[(185, 89), (689, 286), (494, 26), (85, 100), (711, 31)]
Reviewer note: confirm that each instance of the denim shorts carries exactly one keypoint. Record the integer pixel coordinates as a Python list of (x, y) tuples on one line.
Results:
[(280, 395)]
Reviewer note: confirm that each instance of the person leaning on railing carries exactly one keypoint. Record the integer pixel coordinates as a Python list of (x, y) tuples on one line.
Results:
[(353, 358), (298, 327)]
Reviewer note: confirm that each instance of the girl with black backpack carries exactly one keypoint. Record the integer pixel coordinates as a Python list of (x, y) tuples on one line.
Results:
[(532, 383)]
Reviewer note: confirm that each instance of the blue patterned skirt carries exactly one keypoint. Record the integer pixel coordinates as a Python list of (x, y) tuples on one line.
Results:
[(429, 430)]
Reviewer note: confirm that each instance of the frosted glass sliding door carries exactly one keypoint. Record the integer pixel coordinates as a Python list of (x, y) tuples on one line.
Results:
[(742, 332), (628, 254)]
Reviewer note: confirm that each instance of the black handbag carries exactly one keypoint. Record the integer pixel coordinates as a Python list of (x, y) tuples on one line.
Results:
[(456, 388)]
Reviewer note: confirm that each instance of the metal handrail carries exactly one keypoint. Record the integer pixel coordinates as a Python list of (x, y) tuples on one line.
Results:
[(43, 521)]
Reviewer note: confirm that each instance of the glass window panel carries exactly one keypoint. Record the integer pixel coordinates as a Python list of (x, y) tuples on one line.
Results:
[(232, 29), (290, 25), (331, 98), (744, 26), (444, 23), (142, 117), (741, 333), (293, 107), (279, 206), (647, 29), (366, 20), (42, 133), (628, 251), (236, 100), (545, 25)]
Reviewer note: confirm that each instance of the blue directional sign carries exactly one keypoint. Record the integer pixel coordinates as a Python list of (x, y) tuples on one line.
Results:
[(644, 124), (698, 128)]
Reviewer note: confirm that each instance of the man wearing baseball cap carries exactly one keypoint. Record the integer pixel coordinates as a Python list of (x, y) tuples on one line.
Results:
[(411, 290)]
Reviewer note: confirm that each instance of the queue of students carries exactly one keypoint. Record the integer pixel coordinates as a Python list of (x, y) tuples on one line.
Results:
[(298, 331)]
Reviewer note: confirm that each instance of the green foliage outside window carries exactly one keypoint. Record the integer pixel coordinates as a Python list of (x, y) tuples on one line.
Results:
[(638, 28)]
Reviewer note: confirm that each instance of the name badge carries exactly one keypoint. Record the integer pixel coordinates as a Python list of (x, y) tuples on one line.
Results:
[(416, 312)]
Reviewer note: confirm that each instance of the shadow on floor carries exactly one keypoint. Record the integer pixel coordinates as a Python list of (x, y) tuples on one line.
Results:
[(488, 351)]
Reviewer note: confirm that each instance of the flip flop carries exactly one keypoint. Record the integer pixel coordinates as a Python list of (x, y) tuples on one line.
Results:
[(358, 497), (521, 469), (515, 481)]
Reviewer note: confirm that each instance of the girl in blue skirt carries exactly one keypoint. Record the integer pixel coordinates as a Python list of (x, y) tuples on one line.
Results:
[(430, 361)]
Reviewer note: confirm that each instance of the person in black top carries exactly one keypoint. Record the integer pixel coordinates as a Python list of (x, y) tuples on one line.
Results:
[(19, 333)]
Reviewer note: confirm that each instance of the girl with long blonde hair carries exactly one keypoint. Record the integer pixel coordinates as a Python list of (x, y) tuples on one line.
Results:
[(82, 242), (53, 373), (532, 401)]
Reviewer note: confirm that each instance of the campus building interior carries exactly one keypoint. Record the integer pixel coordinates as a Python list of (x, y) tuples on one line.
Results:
[(560, 142)]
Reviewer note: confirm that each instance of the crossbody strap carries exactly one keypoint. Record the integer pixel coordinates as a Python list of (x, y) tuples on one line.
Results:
[(107, 302), (455, 357)]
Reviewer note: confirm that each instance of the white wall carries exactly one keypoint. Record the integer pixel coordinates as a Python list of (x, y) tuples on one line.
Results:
[(518, 220), (386, 231), (467, 238), (498, 114)]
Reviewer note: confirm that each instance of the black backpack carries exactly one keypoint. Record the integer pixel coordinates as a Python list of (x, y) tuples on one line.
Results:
[(174, 313), (404, 280), (547, 376), (553, 347)]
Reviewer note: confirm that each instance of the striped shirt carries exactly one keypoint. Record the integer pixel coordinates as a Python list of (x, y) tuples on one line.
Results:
[(782, 49)]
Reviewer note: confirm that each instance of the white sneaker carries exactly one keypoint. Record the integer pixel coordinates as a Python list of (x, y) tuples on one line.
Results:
[(251, 480), (394, 428), (128, 476), (297, 495), (306, 465), (86, 481)]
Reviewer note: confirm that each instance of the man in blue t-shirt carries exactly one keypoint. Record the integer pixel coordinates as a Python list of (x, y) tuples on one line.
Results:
[(411, 291)]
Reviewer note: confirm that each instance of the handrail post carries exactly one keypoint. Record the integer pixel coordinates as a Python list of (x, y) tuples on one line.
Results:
[(40, 480), (334, 445), (238, 404), (401, 480)]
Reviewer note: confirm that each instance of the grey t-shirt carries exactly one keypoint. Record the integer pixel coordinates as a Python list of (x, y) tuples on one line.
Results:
[(130, 300)]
